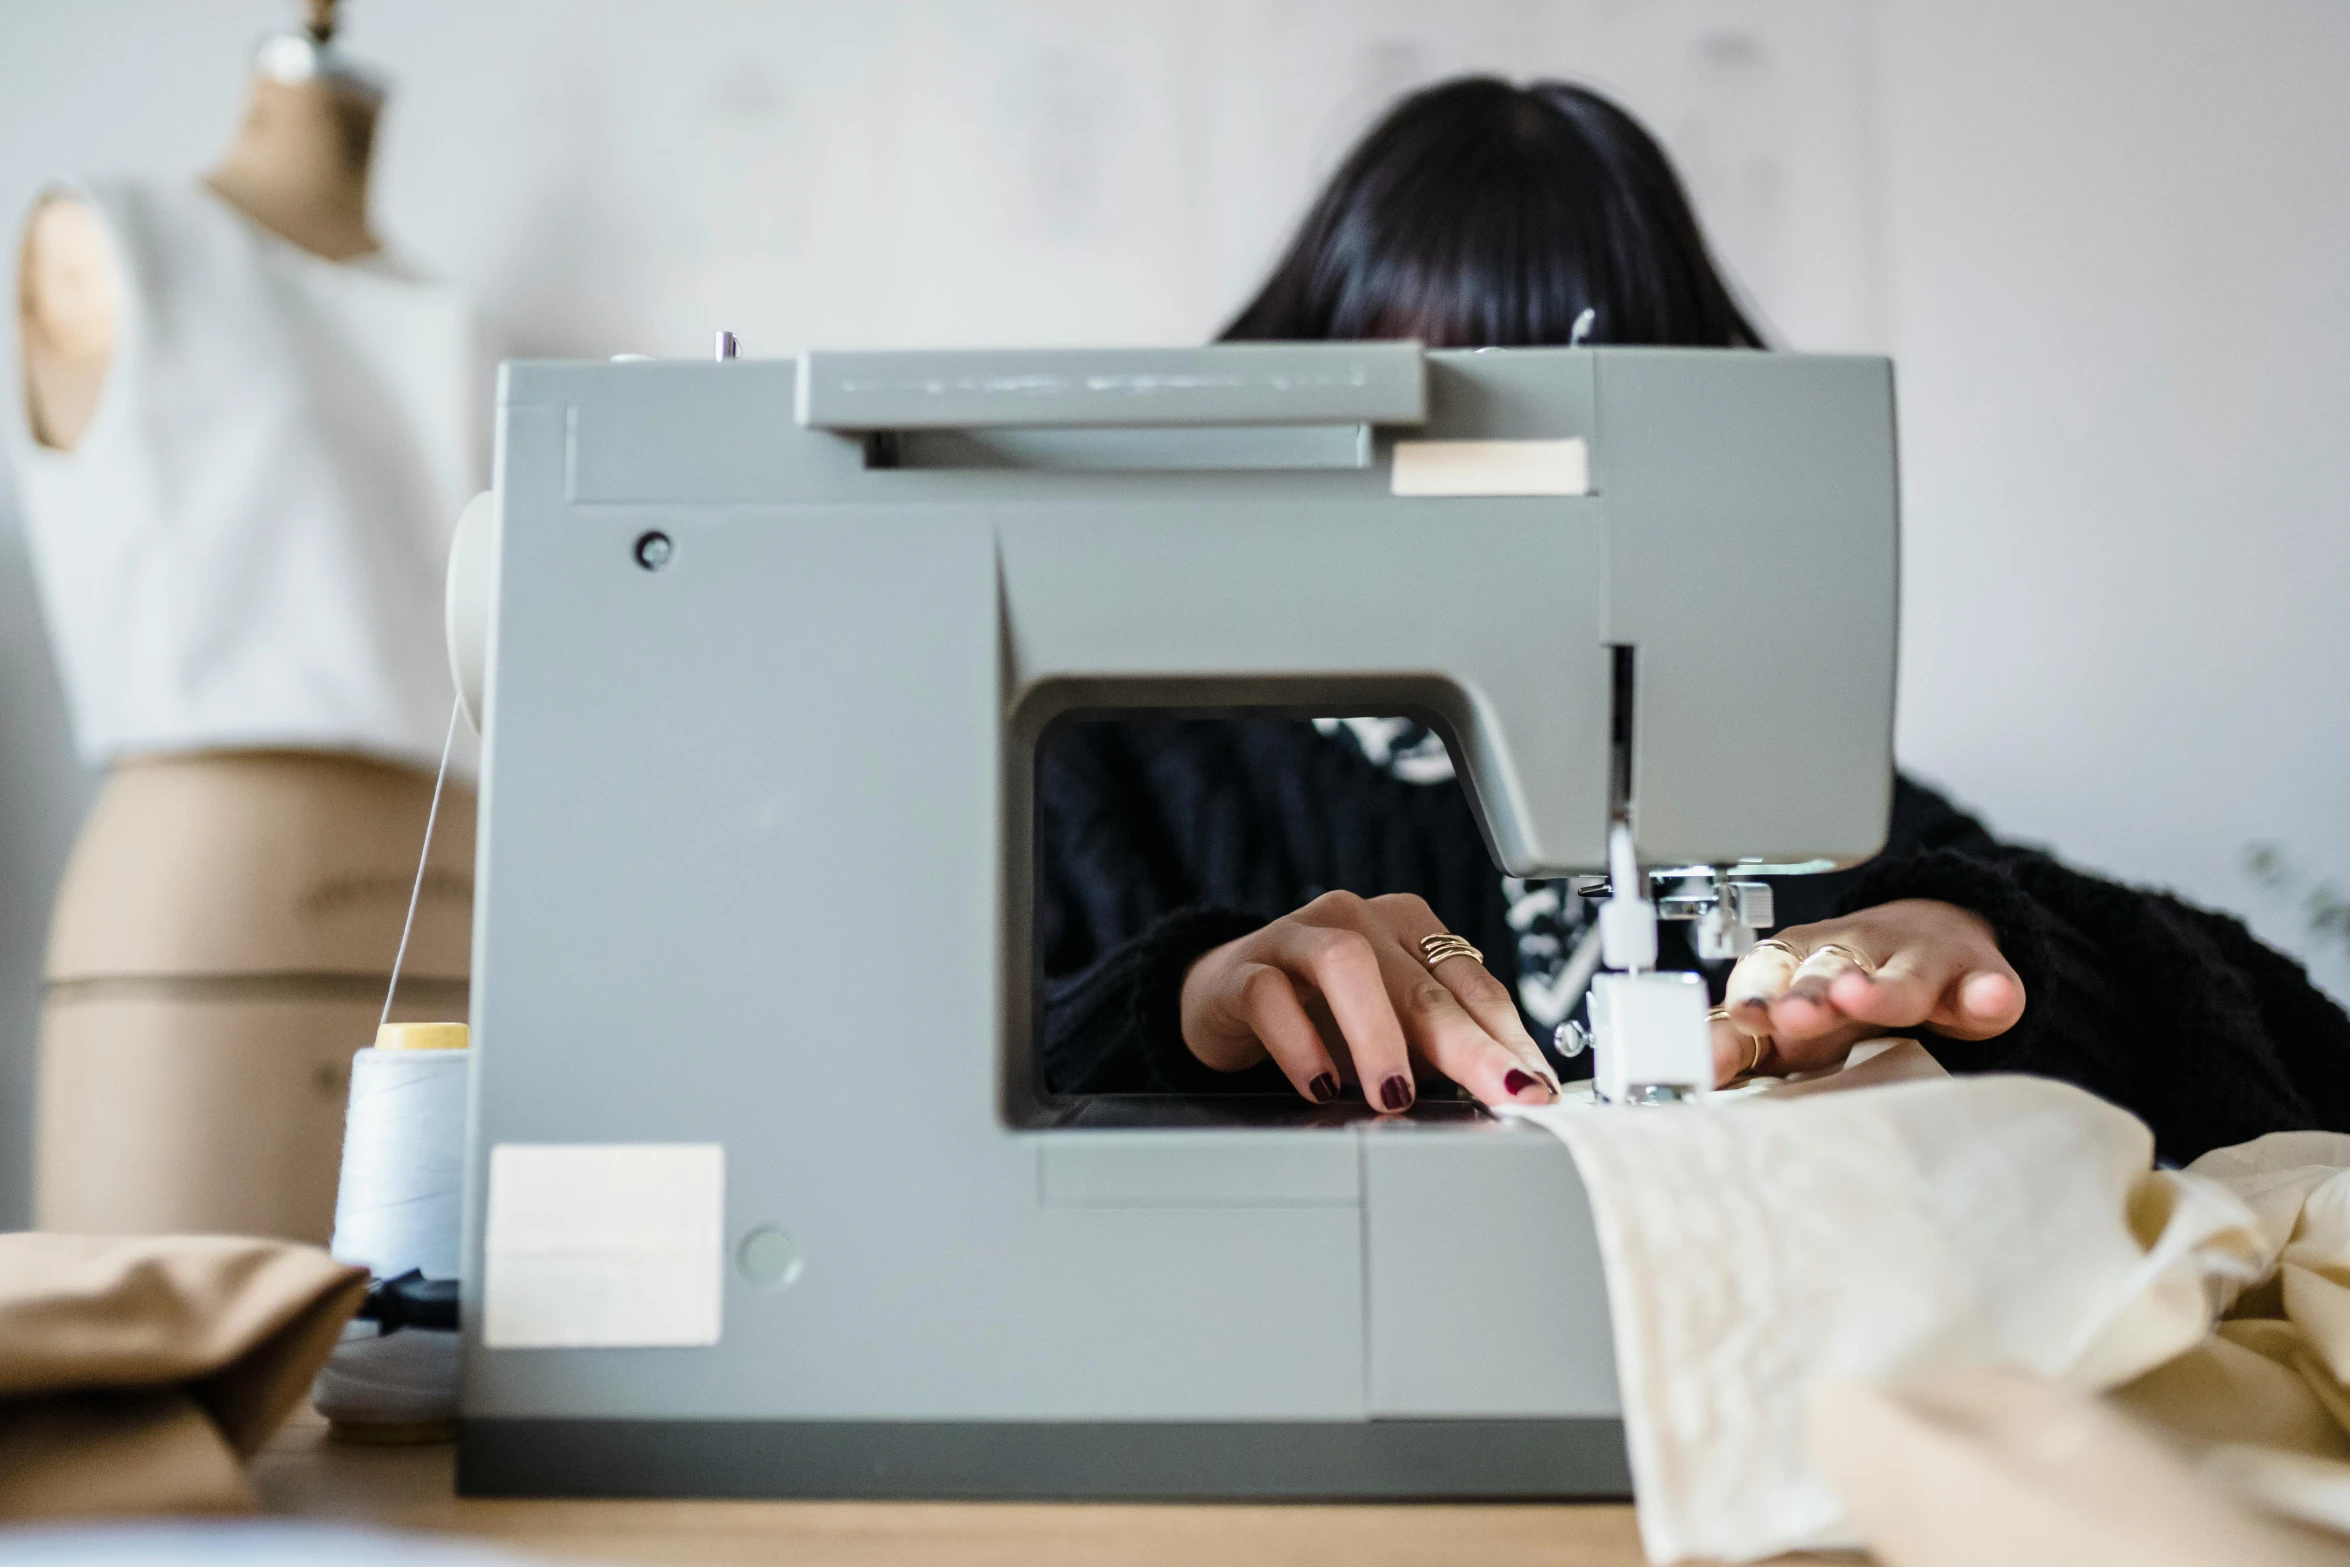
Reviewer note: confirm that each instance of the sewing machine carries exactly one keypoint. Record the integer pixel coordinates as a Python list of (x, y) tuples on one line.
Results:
[(764, 1196)]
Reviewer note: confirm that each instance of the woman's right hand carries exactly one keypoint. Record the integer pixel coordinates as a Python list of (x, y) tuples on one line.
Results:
[(1336, 993)]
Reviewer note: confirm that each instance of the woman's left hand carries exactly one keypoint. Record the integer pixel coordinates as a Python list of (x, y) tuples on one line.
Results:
[(1801, 1002)]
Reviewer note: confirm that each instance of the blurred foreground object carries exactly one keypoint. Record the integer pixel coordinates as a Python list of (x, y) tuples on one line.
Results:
[(136, 1376), (249, 432), (246, 1543)]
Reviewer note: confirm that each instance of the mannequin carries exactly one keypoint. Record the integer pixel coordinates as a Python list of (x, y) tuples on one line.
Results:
[(224, 933), (300, 162), (298, 166)]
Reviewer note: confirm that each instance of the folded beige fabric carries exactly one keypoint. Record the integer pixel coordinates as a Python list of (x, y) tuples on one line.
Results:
[(136, 1373), (2262, 1400), (1965, 1468), (1758, 1244)]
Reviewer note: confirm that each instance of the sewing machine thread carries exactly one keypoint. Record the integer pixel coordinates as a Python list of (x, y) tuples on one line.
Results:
[(397, 1208), (398, 1201)]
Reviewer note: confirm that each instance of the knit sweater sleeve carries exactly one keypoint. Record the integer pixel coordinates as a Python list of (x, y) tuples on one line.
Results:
[(1115, 1026), (2173, 1011)]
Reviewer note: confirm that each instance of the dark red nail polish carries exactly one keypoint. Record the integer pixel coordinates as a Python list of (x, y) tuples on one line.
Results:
[(1323, 1089), (1518, 1082), (1395, 1093)]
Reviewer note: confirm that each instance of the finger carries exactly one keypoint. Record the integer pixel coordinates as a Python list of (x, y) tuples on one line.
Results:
[(1488, 1003), (1759, 979), (1486, 999), (1451, 1040), (1824, 963), (1902, 994), (1269, 1002), (1953, 999), (1809, 1032), (1984, 1003), (1807, 1010), (1344, 966), (1737, 1053)]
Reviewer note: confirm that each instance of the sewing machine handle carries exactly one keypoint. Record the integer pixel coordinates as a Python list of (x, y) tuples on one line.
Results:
[(1251, 384)]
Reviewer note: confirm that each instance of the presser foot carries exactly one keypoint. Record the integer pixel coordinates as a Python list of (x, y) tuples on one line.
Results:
[(1653, 1094), (1653, 1045)]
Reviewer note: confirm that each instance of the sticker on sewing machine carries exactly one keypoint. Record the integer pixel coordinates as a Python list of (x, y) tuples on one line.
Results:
[(1428, 468), (604, 1245)]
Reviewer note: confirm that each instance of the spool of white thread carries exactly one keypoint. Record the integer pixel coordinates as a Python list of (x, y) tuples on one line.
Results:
[(397, 1208)]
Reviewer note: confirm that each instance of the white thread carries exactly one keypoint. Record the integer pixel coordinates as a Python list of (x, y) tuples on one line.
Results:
[(397, 1208), (397, 1204), (432, 816)]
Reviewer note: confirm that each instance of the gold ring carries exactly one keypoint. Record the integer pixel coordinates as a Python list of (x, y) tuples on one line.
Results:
[(1852, 955), (1754, 1041), (1776, 945), (1444, 944)]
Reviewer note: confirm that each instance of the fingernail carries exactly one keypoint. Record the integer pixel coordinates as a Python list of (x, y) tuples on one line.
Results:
[(1396, 1092), (1323, 1089), (1517, 1082)]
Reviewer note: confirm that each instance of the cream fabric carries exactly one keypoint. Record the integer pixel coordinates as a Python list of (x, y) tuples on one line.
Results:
[(245, 548), (2262, 1400), (1759, 1244), (136, 1375), (1991, 1466)]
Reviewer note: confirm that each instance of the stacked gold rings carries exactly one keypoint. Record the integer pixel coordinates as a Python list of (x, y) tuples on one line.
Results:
[(1826, 949), (1852, 955), (1444, 944)]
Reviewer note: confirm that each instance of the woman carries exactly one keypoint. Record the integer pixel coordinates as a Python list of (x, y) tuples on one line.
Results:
[(1237, 906)]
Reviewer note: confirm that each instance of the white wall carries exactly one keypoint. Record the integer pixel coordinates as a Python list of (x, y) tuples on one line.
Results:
[(2119, 245), (2105, 239)]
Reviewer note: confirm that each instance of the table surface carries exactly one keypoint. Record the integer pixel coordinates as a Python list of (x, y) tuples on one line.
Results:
[(305, 1474)]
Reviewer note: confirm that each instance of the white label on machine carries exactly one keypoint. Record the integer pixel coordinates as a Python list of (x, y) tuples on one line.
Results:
[(604, 1245), (1430, 468)]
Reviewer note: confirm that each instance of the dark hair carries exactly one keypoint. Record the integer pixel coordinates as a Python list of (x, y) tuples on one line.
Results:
[(1480, 214)]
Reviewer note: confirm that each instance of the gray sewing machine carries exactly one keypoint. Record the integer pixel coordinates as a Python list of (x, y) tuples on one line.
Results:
[(764, 1196)]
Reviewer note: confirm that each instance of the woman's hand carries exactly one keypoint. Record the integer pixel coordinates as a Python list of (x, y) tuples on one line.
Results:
[(1804, 999), (1337, 993)]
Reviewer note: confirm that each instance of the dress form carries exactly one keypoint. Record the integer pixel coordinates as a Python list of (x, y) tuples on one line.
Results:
[(298, 166), (222, 938), (67, 306), (301, 158)]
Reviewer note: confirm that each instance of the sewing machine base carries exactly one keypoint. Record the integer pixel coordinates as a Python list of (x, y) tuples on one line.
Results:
[(1276, 1460)]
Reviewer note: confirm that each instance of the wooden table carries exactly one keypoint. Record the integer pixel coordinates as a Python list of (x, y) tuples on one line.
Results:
[(304, 1474)]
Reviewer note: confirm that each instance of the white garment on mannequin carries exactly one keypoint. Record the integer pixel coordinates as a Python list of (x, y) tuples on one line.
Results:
[(245, 548)]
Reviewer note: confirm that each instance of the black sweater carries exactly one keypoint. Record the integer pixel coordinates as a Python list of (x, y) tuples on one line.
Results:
[(1160, 838)]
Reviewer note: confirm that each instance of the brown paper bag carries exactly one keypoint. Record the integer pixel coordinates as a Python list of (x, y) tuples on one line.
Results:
[(137, 1374)]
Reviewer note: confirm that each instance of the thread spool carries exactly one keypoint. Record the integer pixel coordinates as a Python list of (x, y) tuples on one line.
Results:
[(397, 1207)]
